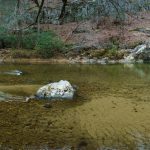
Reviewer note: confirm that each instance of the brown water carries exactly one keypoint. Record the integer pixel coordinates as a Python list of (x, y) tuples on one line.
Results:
[(111, 110)]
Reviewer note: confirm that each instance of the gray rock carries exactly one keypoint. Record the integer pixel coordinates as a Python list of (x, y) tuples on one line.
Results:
[(13, 72), (129, 59), (140, 61), (121, 61), (28, 99), (125, 61), (79, 9), (77, 48), (144, 30), (102, 61), (141, 52), (56, 90), (85, 60), (112, 61), (92, 61), (148, 45), (139, 49)]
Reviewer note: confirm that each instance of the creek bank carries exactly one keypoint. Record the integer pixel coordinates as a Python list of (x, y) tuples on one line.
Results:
[(103, 61), (70, 60), (139, 54)]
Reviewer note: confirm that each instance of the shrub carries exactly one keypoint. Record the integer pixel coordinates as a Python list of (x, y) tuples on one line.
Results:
[(48, 43), (44, 43), (14, 40), (8, 39), (112, 46), (29, 40)]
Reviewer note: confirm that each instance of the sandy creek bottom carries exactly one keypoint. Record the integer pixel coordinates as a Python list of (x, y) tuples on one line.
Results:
[(111, 110)]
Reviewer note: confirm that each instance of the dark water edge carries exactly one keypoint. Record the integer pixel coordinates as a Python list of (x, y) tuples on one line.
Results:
[(111, 112)]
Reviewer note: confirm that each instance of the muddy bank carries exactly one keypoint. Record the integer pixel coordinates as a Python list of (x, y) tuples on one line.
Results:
[(36, 61)]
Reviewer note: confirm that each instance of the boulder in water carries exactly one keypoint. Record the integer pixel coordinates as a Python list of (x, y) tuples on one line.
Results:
[(57, 90)]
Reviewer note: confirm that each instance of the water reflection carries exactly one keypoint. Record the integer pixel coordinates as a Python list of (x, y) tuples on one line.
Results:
[(142, 71)]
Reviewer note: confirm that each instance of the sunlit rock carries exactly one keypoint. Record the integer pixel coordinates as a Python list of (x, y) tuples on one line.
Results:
[(56, 90), (138, 52)]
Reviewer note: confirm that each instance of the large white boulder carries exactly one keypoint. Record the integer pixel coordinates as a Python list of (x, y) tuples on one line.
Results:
[(56, 90)]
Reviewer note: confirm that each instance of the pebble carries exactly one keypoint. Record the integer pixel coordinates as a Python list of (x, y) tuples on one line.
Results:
[(47, 105)]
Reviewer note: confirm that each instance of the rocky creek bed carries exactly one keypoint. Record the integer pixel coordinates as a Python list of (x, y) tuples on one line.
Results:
[(111, 110)]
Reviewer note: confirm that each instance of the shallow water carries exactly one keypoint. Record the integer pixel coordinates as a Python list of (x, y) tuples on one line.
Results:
[(111, 110)]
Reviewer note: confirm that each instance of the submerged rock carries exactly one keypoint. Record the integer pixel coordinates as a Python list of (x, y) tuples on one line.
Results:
[(5, 96), (13, 72), (9, 97), (56, 90), (47, 105), (28, 99)]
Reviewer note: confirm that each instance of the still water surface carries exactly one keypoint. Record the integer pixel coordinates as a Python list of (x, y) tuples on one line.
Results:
[(111, 109)]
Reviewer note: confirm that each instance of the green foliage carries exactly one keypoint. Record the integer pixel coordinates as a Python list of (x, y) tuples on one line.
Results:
[(112, 48), (25, 40), (113, 44), (29, 40), (45, 43), (2, 30), (48, 43)]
